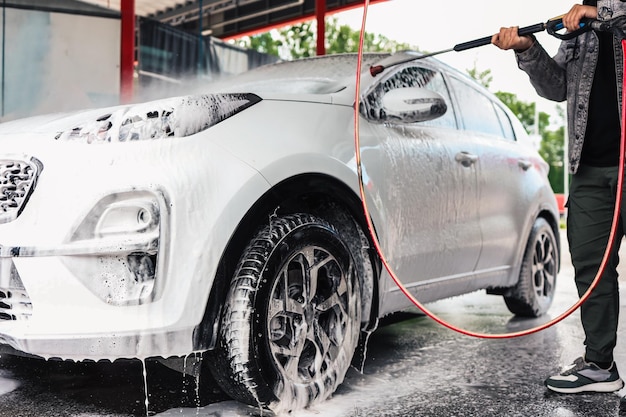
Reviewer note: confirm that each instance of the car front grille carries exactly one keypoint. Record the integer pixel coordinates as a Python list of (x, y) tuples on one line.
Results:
[(17, 181), (14, 300), (15, 305)]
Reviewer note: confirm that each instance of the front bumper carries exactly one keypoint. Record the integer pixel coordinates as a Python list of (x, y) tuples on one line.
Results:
[(57, 316), (115, 252), (98, 290)]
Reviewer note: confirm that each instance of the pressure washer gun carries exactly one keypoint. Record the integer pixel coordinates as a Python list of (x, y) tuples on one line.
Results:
[(615, 26), (553, 26)]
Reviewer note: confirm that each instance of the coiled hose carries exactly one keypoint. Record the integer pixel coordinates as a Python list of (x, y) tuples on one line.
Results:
[(398, 282)]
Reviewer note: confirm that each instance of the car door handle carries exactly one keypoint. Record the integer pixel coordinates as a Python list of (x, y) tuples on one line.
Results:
[(466, 159), (524, 164)]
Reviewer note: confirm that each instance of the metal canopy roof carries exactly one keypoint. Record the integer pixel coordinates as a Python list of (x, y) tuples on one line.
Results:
[(142, 7), (226, 18)]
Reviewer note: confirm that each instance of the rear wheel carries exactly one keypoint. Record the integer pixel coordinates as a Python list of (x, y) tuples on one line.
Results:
[(290, 323), (534, 292)]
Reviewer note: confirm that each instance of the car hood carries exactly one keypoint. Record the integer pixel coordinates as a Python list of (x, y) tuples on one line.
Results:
[(55, 122), (178, 116)]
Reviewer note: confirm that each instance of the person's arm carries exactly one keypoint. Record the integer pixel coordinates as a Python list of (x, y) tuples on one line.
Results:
[(508, 38), (547, 75)]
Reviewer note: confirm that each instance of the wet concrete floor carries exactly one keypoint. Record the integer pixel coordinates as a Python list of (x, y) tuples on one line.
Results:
[(412, 368)]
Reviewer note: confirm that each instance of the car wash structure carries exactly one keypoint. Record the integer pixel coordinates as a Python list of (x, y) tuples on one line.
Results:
[(222, 19), (118, 49)]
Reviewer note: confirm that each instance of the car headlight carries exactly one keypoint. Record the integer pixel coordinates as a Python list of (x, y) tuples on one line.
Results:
[(174, 117), (118, 250)]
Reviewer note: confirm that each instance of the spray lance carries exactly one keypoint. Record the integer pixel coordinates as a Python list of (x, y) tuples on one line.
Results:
[(553, 26)]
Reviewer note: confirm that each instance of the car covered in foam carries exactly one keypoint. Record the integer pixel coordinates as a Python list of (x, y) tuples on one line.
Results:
[(230, 222)]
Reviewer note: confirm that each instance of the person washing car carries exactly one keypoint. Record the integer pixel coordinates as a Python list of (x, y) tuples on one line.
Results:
[(587, 72)]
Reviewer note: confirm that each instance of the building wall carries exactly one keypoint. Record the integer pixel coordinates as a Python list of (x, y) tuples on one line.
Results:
[(54, 59)]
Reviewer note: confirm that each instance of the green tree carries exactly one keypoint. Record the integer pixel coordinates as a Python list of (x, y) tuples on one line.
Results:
[(300, 41), (264, 43), (552, 151), (483, 77)]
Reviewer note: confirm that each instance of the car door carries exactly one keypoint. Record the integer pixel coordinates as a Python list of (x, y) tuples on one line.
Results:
[(423, 180), (507, 175)]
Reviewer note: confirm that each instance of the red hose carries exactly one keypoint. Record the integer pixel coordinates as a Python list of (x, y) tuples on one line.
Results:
[(585, 296)]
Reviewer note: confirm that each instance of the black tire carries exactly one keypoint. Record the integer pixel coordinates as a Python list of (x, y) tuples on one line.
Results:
[(287, 340), (534, 292)]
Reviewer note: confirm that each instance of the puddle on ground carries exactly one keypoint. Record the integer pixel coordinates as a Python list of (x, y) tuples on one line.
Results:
[(221, 409), (7, 384)]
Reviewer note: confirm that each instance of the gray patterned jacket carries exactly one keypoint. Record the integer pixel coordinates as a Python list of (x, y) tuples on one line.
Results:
[(569, 75)]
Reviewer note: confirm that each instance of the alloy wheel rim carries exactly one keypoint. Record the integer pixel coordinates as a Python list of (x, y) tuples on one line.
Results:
[(544, 266), (308, 314)]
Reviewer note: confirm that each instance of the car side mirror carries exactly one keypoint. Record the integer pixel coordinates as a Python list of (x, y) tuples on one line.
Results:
[(411, 104)]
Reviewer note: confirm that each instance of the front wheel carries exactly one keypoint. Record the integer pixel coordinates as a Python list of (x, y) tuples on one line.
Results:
[(534, 292), (290, 323)]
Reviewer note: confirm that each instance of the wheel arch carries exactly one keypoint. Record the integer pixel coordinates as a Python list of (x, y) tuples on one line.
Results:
[(546, 213), (534, 292), (549, 214), (555, 226), (317, 194)]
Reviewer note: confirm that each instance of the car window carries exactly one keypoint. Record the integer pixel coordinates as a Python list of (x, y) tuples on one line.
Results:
[(505, 123), (520, 131), (476, 109), (411, 77)]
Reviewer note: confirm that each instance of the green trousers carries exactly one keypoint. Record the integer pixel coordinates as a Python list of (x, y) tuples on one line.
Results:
[(591, 205)]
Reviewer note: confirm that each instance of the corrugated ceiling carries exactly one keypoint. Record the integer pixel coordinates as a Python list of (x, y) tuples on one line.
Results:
[(225, 18), (142, 7)]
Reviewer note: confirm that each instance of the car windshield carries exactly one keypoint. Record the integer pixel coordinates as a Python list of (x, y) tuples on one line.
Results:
[(319, 75)]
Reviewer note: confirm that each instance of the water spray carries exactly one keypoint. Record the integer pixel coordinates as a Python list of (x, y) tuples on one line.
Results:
[(552, 26)]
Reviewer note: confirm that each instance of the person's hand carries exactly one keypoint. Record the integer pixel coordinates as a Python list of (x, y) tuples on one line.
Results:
[(571, 20), (508, 38)]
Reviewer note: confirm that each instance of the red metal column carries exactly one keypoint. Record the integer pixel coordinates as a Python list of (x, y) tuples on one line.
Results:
[(127, 58), (320, 13)]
